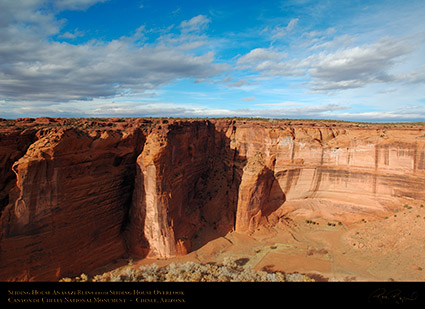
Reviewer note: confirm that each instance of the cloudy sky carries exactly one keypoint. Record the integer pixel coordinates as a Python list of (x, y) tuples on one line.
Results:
[(330, 59)]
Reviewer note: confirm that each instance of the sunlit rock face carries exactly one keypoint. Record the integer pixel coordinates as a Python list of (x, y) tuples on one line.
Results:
[(76, 195)]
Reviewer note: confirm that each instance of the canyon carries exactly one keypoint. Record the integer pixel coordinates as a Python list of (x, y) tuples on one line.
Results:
[(337, 199)]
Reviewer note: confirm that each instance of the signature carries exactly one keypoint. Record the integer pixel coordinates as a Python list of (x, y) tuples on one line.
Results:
[(383, 295)]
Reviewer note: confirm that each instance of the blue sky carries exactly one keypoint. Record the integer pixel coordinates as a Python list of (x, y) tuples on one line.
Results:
[(346, 60)]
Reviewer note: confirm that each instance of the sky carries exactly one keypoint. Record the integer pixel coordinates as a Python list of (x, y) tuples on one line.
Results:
[(332, 59)]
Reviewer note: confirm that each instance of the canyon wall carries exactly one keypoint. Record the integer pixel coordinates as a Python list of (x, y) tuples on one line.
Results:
[(77, 194), (353, 169), (69, 203), (185, 190)]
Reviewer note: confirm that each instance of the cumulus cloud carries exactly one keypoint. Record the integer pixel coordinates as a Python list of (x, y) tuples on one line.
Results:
[(357, 66), (308, 111), (42, 75), (68, 72), (159, 109), (258, 55), (344, 68), (268, 62), (38, 13), (37, 69), (384, 116), (297, 112)]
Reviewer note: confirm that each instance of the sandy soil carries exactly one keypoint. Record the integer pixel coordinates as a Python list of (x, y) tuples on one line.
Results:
[(384, 246)]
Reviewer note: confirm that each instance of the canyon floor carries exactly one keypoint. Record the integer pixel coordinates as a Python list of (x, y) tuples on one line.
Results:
[(332, 201), (384, 247)]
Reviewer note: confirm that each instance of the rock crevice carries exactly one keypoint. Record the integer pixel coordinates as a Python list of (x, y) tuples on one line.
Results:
[(76, 195)]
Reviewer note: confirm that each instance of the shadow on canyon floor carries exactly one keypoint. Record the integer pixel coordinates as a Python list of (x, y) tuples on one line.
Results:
[(201, 199), (198, 187)]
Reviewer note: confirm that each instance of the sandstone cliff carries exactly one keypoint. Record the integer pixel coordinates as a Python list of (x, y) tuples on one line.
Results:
[(76, 194)]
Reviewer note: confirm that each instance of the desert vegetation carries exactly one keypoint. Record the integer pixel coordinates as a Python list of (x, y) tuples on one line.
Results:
[(228, 271)]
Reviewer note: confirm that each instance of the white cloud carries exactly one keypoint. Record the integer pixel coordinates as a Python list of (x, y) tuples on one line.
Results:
[(342, 41), (196, 23), (109, 108), (344, 68), (40, 76), (279, 32), (382, 116), (72, 35), (281, 104), (261, 54), (69, 72), (75, 4), (319, 33), (242, 83), (357, 66), (36, 69), (268, 62), (298, 112)]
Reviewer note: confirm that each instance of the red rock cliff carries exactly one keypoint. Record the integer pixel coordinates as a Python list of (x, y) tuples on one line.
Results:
[(77, 194), (184, 191), (349, 169), (66, 212)]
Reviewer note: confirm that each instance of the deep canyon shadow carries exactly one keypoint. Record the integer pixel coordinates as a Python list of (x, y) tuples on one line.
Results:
[(274, 196), (197, 175), (216, 193), (93, 209)]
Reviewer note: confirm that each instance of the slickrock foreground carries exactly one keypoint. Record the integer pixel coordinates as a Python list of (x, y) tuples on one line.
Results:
[(343, 200)]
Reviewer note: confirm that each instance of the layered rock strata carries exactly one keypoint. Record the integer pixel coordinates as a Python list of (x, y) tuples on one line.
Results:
[(184, 188), (76, 194), (69, 203)]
